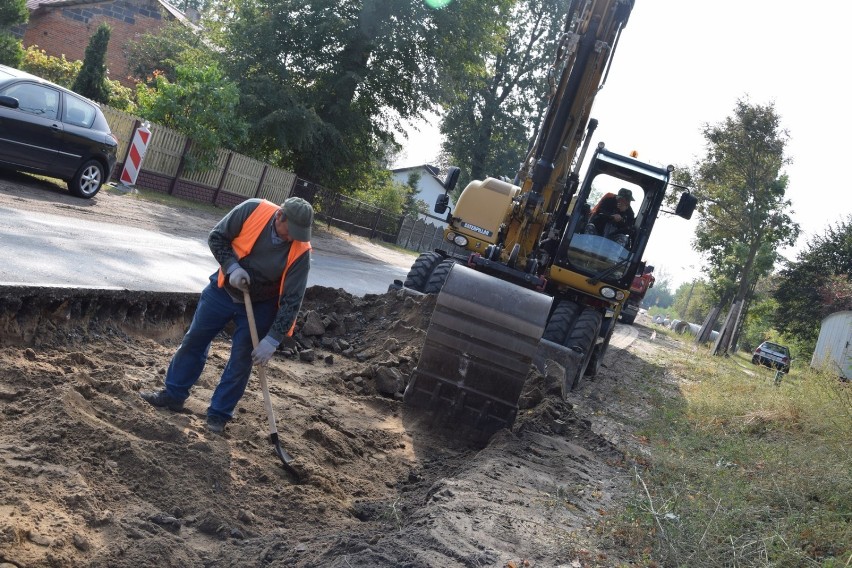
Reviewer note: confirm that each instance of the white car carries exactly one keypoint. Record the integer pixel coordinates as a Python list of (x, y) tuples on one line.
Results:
[(772, 355)]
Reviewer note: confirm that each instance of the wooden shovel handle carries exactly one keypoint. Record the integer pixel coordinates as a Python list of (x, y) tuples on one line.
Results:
[(250, 314)]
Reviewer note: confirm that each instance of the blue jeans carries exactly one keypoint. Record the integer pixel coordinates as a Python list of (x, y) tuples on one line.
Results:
[(215, 310)]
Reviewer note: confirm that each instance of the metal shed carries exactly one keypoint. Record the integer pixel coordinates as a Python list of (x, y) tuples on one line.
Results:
[(833, 350)]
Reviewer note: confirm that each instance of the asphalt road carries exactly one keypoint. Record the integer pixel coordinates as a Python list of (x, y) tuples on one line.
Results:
[(51, 250)]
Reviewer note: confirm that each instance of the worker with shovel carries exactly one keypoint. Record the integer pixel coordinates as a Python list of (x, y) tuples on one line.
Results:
[(264, 255)]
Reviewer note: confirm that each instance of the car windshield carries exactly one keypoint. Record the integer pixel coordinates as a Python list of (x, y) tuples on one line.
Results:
[(775, 347)]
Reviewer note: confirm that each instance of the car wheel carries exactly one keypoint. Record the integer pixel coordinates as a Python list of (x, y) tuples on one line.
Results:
[(88, 180), (754, 360)]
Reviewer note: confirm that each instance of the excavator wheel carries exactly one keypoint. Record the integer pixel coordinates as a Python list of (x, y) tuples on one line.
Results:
[(477, 354), (421, 270), (560, 323), (439, 277), (576, 328), (582, 338), (600, 349)]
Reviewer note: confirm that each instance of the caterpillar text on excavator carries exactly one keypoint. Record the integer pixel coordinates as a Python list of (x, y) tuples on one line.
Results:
[(544, 273)]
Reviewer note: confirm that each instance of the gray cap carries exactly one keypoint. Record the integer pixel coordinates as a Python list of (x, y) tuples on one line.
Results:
[(626, 194), (300, 217)]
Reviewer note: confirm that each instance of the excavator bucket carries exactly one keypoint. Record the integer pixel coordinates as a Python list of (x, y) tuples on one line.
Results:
[(27, 311), (478, 350)]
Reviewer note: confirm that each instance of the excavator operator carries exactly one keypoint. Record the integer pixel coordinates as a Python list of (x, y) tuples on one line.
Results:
[(613, 217)]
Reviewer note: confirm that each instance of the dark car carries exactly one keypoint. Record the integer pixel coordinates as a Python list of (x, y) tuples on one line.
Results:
[(772, 355), (49, 130)]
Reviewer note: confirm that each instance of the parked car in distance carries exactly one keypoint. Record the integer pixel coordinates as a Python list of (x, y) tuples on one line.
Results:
[(772, 355), (49, 130)]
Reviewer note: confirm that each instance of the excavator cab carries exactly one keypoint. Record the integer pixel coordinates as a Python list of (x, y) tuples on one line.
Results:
[(611, 254)]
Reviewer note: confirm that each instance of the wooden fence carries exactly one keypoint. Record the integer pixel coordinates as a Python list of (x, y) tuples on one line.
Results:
[(232, 180), (420, 236)]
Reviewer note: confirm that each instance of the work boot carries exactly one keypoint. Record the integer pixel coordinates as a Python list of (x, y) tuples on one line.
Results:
[(161, 399), (216, 424)]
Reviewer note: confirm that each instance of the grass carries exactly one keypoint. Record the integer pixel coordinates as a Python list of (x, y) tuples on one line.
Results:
[(164, 199), (744, 472)]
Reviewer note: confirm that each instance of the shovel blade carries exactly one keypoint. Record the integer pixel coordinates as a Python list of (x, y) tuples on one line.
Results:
[(286, 459)]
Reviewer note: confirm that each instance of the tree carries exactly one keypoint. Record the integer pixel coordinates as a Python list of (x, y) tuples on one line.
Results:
[(743, 212), (758, 322), (92, 80), (492, 110), (660, 293), (326, 83), (202, 104), (161, 52), (383, 192), (12, 12), (693, 301), (413, 206), (816, 284)]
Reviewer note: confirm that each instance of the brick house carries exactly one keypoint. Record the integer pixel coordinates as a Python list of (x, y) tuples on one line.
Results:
[(63, 27)]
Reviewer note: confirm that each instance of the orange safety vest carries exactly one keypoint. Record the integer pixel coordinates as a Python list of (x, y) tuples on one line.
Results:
[(249, 233)]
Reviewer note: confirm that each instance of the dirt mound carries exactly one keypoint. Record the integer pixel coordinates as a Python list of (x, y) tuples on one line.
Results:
[(93, 476)]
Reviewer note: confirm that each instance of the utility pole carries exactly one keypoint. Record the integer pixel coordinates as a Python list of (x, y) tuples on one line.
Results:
[(688, 298)]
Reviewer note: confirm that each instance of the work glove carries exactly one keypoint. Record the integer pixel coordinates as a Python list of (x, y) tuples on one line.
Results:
[(264, 350), (239, 279)]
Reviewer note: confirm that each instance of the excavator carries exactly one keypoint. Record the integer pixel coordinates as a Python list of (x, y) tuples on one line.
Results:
[(527, 282)]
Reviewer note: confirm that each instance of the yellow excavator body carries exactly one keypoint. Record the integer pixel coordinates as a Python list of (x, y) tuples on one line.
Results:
[(535, 280)]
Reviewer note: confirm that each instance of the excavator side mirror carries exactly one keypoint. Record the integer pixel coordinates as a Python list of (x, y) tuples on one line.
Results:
[(442, 203), (686, 205), (451, 179)]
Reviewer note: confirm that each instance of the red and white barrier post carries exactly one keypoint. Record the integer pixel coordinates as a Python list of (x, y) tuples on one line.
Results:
[(138, 147)]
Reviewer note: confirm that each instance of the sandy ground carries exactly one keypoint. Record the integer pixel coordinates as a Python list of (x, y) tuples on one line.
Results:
[(90, 475)]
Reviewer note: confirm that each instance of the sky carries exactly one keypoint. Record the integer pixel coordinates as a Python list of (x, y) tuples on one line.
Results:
[(681, 64)]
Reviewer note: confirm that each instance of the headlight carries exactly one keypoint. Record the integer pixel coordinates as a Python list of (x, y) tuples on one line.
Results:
[(460, 240), (619, 296), (451, 236), (608, 293)]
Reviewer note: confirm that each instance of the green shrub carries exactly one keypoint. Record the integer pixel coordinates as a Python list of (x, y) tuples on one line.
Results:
[(55, 69)]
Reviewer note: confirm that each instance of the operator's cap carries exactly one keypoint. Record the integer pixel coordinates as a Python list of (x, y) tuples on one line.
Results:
[(300, 217), (626, 194)]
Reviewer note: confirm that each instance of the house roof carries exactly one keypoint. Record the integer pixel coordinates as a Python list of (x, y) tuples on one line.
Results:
[(431, 169), (33, 5)]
